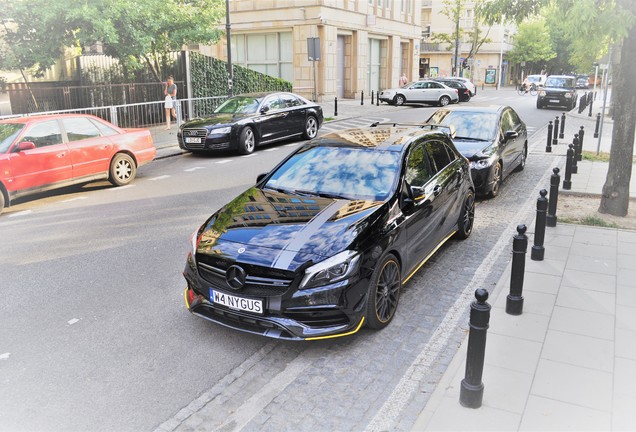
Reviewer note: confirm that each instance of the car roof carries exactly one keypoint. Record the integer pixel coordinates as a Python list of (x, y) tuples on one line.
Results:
[(561, 76), (34, 118), (382, 137)]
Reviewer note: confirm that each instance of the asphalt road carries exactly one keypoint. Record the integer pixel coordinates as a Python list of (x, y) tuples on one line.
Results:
[(94, 334)]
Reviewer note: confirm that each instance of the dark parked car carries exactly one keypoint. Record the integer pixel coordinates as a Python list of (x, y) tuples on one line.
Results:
[(462, 91), (582, 82), (559, 90), (247, 121), (322, 244), (494, 139)]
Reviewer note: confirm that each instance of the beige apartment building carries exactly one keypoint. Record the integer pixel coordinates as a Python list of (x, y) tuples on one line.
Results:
[(365, 45), (489, 65)]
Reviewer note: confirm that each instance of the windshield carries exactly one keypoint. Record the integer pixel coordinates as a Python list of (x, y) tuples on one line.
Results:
[(534, 78), (8, 133), (352, 173), (560, 82), (238, 105), (475, 125)]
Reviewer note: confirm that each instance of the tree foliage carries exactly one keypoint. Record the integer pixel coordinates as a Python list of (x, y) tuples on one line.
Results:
[(531, 46), (137, 33)]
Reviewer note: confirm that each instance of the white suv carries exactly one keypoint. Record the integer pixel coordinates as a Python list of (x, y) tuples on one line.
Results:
[(537, 80)]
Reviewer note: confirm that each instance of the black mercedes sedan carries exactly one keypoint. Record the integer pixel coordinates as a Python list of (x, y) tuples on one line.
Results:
[(323, 243), (247, 121), (493, 138)]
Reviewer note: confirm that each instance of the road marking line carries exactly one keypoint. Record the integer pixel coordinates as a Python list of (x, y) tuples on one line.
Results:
[(162, 177), (73, 321), (224, 161), (387, 417), (292, 145), (194, 168), (22, 213), (249, 155), (74, 199), (121, 187), (271, 149), (5, 356)]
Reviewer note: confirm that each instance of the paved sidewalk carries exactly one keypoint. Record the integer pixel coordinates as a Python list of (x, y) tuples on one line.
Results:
[(569, 361)]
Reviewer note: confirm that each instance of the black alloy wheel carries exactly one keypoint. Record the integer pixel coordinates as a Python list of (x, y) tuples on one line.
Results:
[(384, 292), (122, 169), (497, 175), (466, 217), (399, 100), (444, 100), (247, 141), (311, 128)]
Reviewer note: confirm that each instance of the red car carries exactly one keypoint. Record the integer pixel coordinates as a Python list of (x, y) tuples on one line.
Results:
[(46, 152)]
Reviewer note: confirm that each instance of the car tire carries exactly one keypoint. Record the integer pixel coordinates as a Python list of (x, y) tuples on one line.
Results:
[(539, 105), (122, 169), (311, 128), (399, 100), (524, 157), (466, 217), (444, 100), (384, 292), (247, 141), (497, 177)]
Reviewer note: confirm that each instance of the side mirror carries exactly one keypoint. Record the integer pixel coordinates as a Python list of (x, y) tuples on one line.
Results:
[(417, 193), (26, 145), (511, 134), (260, 177), (264, 109)]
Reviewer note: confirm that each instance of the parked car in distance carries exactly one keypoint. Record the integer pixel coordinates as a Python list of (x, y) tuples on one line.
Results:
[(494, 139), (559, 90), (247, 121), (323, 243), (583, 82), (462, 91), (537, 80), (423, 91), (468, 83), (45, 152)]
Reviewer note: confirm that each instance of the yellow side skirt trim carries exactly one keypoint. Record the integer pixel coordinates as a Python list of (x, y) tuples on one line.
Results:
[(428, 257), (341, 334)]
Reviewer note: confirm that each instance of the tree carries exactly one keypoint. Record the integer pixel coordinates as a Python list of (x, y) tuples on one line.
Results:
[(137, 33), (531, 46), (610, 21)]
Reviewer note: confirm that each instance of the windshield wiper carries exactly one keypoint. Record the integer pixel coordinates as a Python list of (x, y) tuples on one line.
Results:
[(332, 195), (470, 138)]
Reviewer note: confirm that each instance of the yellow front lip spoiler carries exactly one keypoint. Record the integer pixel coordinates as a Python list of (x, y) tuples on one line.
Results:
[(338, 335)]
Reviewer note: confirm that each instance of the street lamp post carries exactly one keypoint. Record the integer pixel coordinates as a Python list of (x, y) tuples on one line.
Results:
[(595, 77), (228, 35)]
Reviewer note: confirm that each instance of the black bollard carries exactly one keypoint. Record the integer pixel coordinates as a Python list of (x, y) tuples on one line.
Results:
[(362, 98), (514, 302), (567, 183), (579, 149), (372, 99), (471, 392), (598, 124), (538, 250), (555, 137), (575, 146), (582, 103), (335, 107), (548, 147), (551, 217), (591, 102), (561, 132), (377, 99)]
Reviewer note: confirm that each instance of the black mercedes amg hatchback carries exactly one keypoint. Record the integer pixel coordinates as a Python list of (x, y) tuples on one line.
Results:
[(323, 243)]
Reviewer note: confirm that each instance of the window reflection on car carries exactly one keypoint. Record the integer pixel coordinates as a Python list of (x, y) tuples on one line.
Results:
[(238, 105), (8, 133), (478, 126)]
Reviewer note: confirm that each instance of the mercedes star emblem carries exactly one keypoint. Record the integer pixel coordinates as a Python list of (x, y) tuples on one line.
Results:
[(235, 277)]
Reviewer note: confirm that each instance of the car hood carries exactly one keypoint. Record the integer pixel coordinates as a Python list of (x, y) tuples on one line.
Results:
[(284, 231), (215, 120), (557, 90), (471, 148)]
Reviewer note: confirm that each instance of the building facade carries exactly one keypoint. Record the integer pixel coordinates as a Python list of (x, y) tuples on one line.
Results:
[(488, 66), (364, 45)]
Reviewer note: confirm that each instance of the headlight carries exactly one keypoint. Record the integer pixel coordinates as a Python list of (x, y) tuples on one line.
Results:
[(221, 131), (541, 93), (331, 270), (568, 95), (194, 241), (480, 164)]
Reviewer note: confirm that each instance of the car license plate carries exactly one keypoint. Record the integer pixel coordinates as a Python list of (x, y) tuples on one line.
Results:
[(237, 303), (554, 100), (193, 140)]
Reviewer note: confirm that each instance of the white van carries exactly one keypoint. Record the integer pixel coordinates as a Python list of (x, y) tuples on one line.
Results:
[(538, 80)]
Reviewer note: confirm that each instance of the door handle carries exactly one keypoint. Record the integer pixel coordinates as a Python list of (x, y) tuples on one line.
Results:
[(437, 190), (61, 155)]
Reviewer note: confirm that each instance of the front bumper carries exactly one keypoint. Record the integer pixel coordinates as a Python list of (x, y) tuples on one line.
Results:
[(317, 313), (482, 179)]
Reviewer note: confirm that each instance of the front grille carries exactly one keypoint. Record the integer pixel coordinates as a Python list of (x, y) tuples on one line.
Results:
[(194, 133), (260, 281), (201, 133)]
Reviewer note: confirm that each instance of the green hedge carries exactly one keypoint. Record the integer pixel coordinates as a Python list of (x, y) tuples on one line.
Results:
[(209, 78)]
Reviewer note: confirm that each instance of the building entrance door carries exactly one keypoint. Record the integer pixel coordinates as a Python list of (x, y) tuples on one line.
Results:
[(340, 67), (373, 78)]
